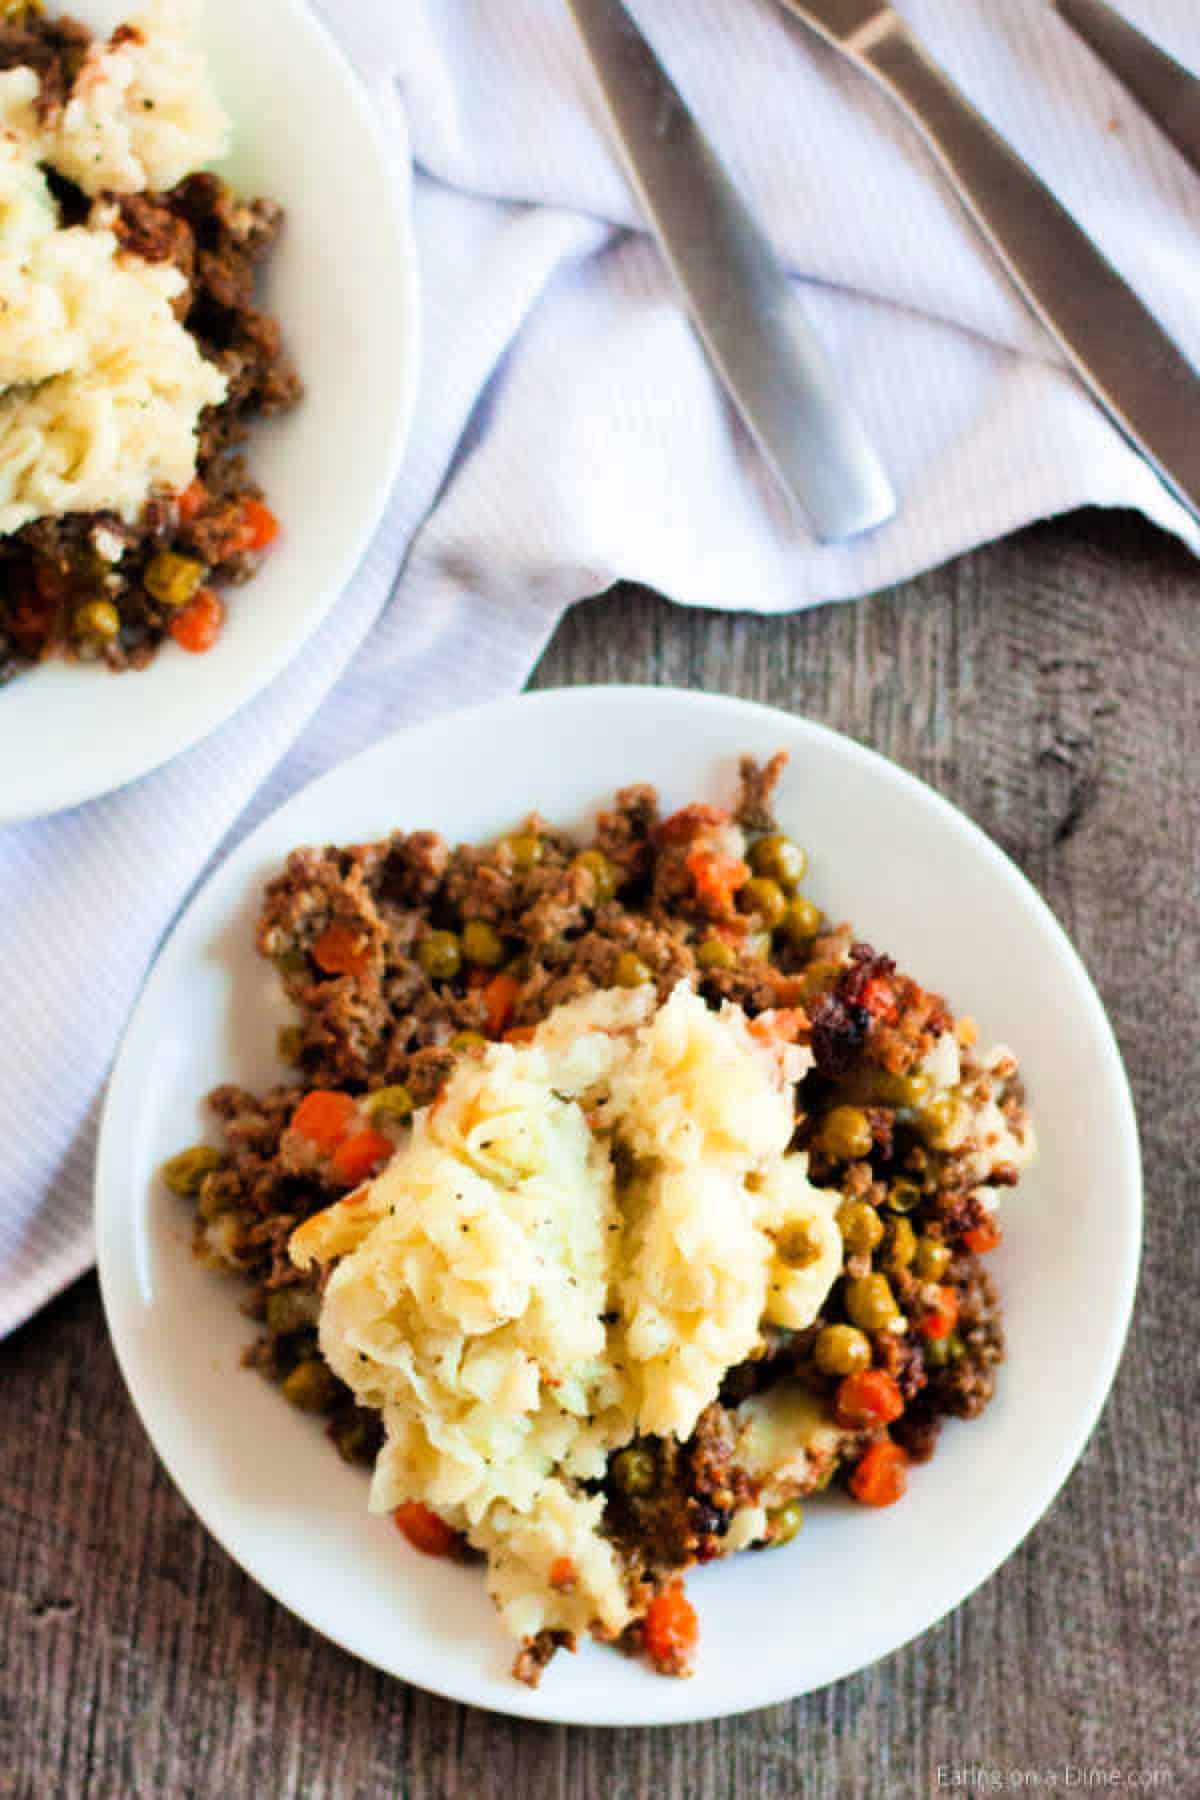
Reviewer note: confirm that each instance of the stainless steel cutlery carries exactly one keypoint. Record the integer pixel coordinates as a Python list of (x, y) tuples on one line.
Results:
[(1114, 342), (739, 296), (1167, 91)]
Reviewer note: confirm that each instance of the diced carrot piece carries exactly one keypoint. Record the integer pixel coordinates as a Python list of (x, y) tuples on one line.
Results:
[(255, 527), (879, 998), (500, 999), (324, 1117), (563, 1574), (717, 878), (424, 1530), (671, 1630), (941, 1321), (359, 1156), (341, 951), (260, 521), (868, 1399), (197, 626), (881, 1478), (519, 1034), (982, 1238), (191, 501)]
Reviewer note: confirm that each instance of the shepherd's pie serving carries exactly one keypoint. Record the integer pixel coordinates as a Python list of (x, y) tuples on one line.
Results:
[(619, 1202), (131, 352)]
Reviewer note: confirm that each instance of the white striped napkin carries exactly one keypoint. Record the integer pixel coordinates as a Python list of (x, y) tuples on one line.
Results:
[(569, 433)]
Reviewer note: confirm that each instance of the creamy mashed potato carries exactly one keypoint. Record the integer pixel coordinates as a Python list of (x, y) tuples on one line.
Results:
[(580, 1238), (101, 387), (27, 210), (143, 112), (103, 384)]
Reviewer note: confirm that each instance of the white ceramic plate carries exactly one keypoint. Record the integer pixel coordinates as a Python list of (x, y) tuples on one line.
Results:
[(343, 283), (918, 880)]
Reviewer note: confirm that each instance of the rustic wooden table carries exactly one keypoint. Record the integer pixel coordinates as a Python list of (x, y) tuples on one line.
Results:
[(1051, 687)]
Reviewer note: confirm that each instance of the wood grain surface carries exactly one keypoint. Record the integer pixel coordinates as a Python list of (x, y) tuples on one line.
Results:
[(1050, 686)]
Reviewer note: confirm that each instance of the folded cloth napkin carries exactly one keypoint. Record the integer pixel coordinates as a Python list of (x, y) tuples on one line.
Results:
[(569, 433)]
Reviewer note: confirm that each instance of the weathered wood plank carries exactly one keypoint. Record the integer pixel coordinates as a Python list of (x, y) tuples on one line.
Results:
[(1048, 686)]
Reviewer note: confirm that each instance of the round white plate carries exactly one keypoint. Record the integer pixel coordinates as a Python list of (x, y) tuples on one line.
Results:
[(343, 283), (918, 880)]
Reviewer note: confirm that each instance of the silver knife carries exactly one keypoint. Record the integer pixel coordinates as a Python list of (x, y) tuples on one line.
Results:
[(740, 299), (1130, 364), (1166, 90)]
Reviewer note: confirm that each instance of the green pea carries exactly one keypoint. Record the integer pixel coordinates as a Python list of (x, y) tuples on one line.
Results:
[(903, 1196), (900, 1246), (845, 1134), (779, 858), (525, 848), (440, 956), (635, 1470), (311, 1386), (184, 1174), (932, 1259), (860, 1225), (631, 971), (784, 1522), (291, 1309), (482, 944), (468, 1041), (172, 580), (801, 921), (98, 619), (715, 953), (766, 899), (291, 964), (870, 1303), (906, 1091), (938, 1118), (604, 873), (389, 1103), (841, 1350)]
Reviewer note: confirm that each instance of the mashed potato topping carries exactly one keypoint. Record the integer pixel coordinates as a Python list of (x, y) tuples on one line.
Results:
[(582, 1235), (143, 112), (101, 386)]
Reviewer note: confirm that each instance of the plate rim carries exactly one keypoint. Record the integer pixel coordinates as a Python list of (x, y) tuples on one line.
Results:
[(524, 1702), (396, 179)]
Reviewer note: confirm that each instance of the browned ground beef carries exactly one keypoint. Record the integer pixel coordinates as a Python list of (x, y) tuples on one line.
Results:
[(54, 48), (56, 566), (384, 1021)]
